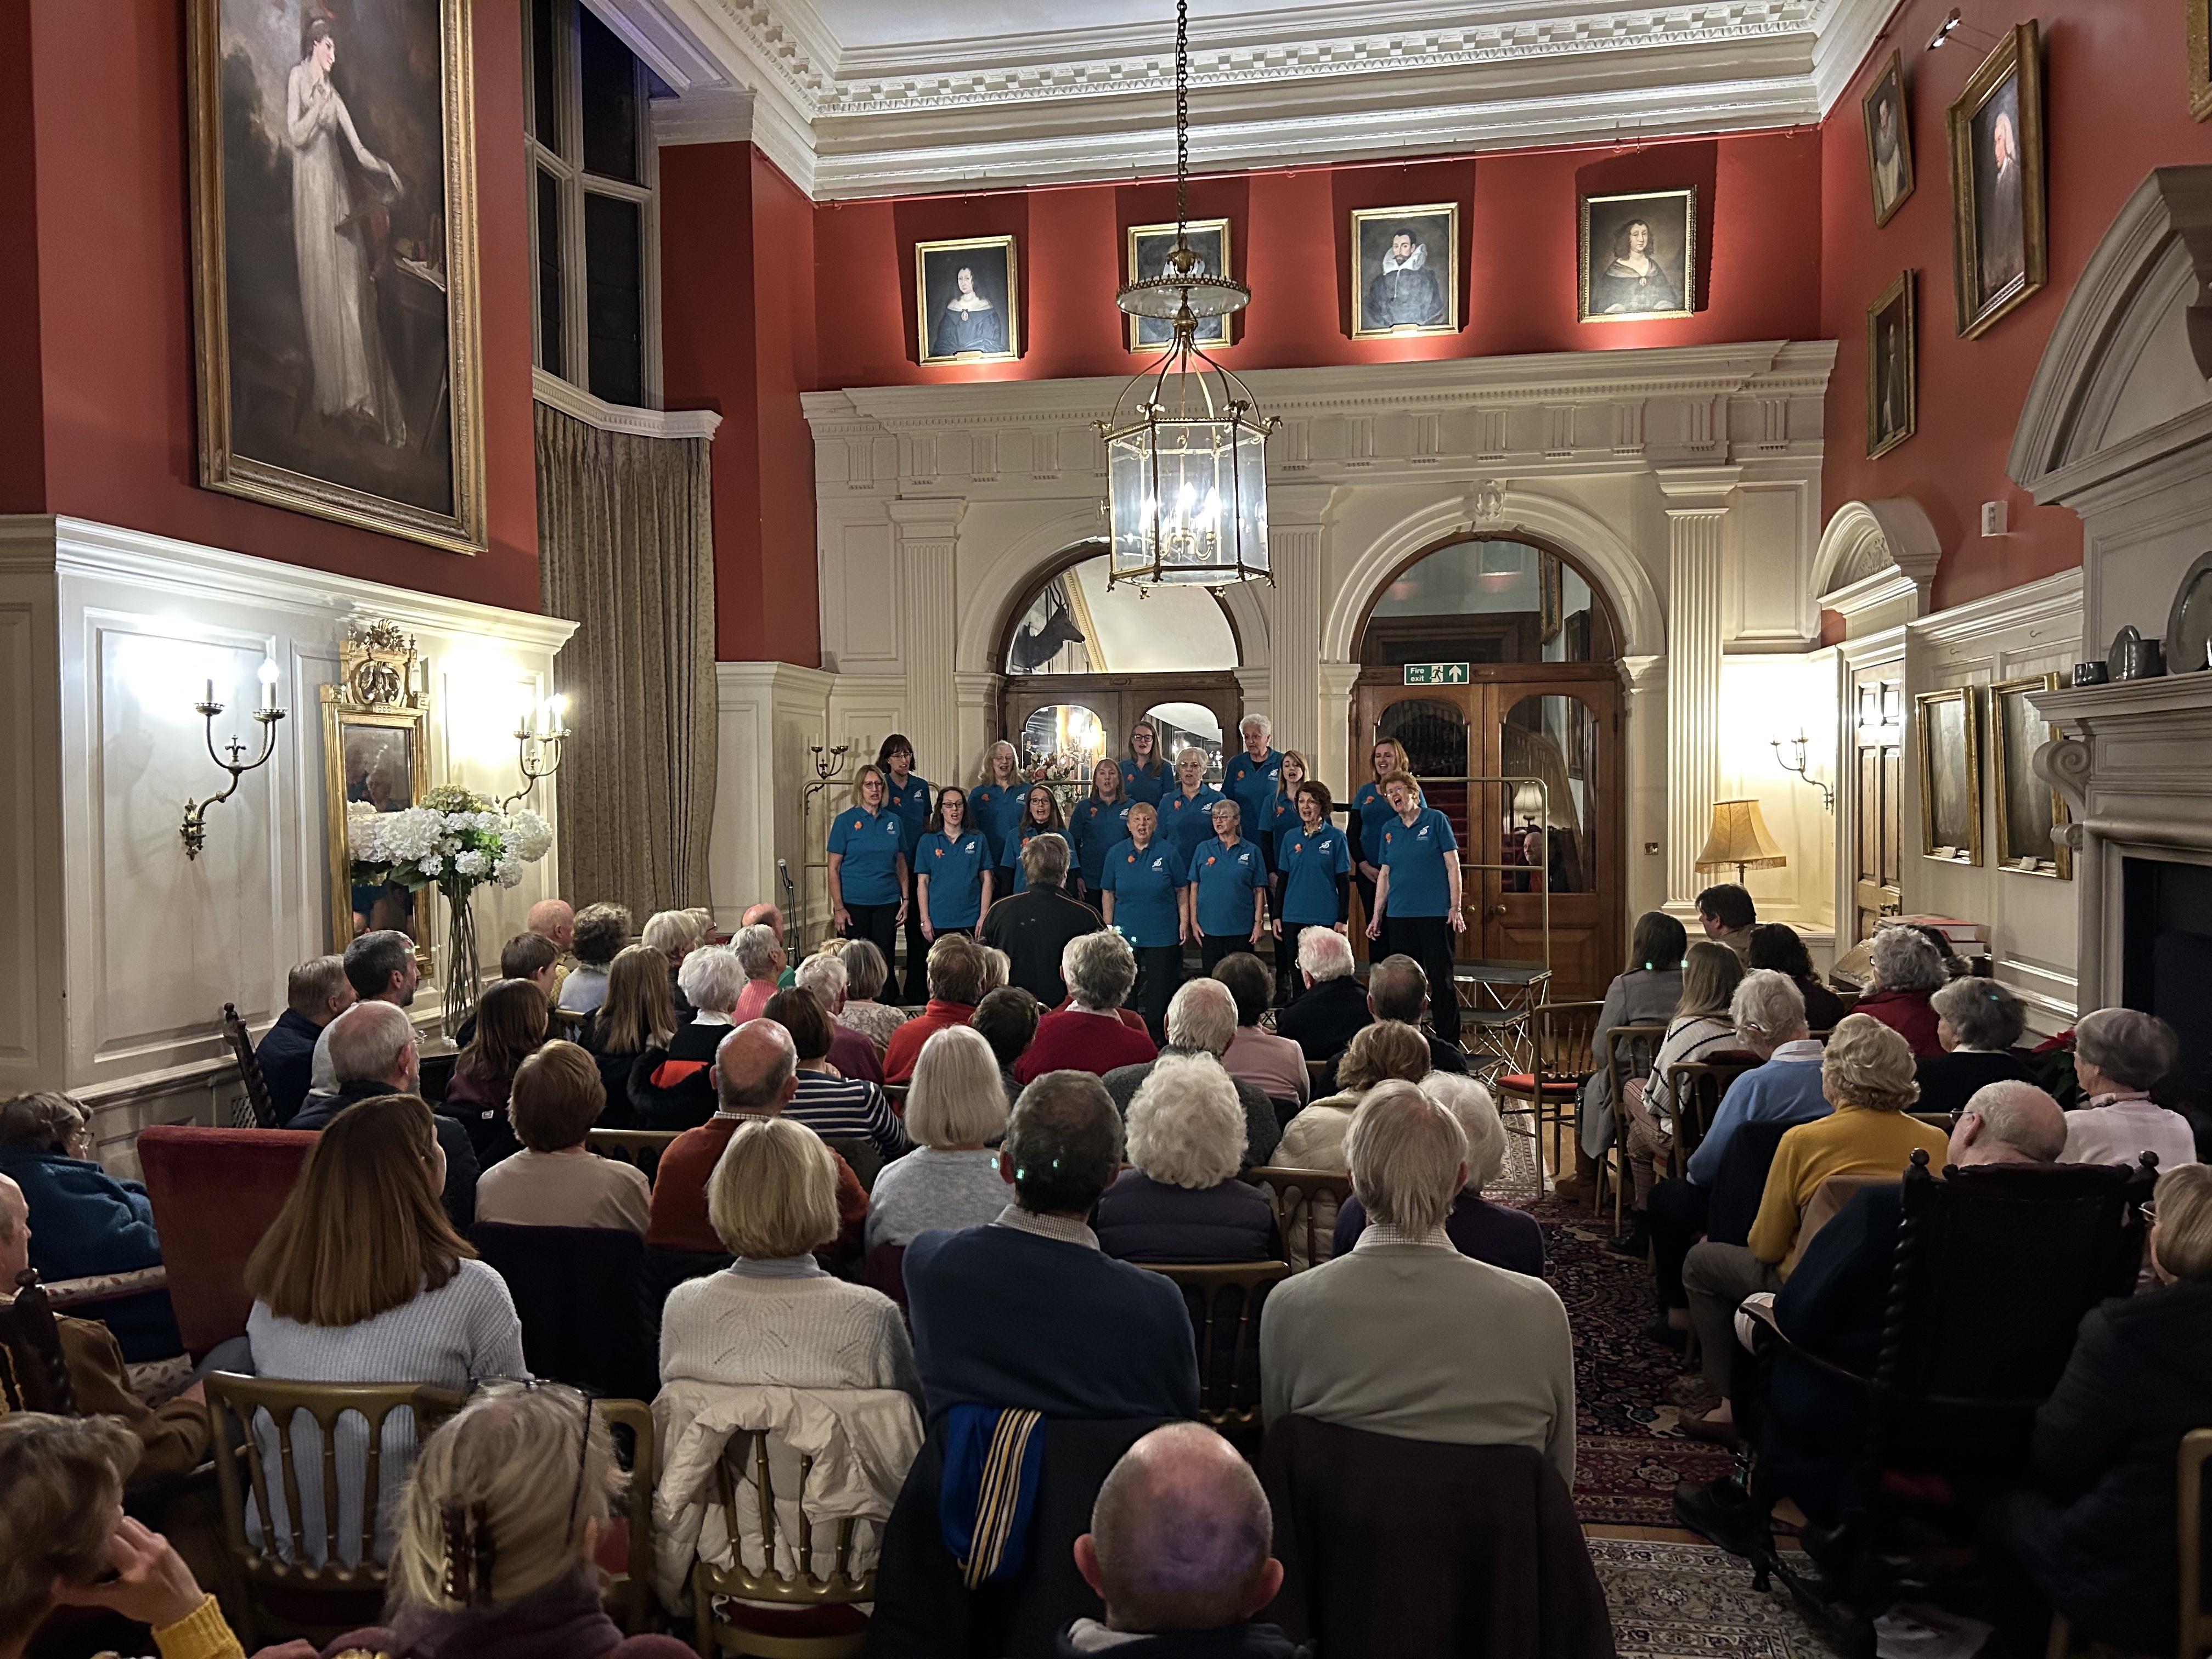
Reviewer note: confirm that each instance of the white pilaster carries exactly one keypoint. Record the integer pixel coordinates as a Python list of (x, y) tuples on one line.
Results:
[(1332, 751), (976, 696), (1697, 521), (928, 533), (766, 713), (1298, 546), (1644, 774)]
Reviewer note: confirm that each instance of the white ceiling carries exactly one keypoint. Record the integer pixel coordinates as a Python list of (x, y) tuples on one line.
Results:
[(859, 98)]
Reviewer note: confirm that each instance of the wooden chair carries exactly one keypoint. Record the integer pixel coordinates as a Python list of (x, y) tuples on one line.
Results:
[(2196, 1622), (1218, 1293), (1629, 1052), (640, 1148), (1294, 1193), (294, 1594), (567, 1023), (812, 1615), (34, 1371), (629, 1597), (260, 1111), (1697, 1088), (1561, 1036)]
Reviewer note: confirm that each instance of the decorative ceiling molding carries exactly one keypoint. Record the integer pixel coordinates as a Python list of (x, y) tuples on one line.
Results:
[(574, 401), (1308, 85)]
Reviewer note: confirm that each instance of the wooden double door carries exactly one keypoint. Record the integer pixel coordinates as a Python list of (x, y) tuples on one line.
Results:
[(1553, 832)]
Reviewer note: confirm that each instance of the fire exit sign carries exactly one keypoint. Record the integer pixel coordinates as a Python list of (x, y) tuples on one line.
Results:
[(1435, 673)]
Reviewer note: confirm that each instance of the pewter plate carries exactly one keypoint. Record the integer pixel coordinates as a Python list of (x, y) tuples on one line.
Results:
[(2189, 625)]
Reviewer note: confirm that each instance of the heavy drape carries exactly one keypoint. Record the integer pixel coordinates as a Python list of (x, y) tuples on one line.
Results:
[(625, 538)]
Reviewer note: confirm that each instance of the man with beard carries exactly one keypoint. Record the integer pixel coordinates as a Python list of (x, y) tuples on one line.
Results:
[(1406, 295)]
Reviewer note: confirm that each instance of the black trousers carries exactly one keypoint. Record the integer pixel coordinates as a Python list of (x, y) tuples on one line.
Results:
[(1428, 941), (1366, 894), (1159, 971), (1676, 1219), (1215, 947), (917, 947), (1287, 985), (878, 924)]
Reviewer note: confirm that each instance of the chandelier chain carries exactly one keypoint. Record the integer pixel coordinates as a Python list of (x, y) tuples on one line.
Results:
[(1182, 122)]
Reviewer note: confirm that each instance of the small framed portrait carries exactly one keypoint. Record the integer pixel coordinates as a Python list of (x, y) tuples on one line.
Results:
[(1405, 270), (1639, 256), (2200, 61), (1950, 777), (2028, 809), (967, 297), (1149, 248), (1999, 252), (1888, 139), (1892, 368)]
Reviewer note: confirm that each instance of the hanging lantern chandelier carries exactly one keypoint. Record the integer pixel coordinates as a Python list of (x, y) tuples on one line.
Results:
[(1186, 451)]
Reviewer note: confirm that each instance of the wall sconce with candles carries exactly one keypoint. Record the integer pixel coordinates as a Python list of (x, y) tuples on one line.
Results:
[(1797, 766), (538, 753), (195, 825)]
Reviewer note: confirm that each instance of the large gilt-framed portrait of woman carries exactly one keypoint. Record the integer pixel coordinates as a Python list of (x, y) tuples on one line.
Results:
[(2028, 809), (1639, 256), (2000, 254), (376, 758), (967, 297), (1950, 776), (334, 261)]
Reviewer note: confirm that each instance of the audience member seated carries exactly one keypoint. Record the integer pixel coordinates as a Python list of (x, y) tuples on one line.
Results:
[(1907, 971), (1866, 1074), (555, 1180), (1728, 916), (315, 992), (381, 967), (1202, 1020), (510, 1027), (84, 1222), (1406, 1336), (759, 950), (1008, 1019), (773, 1316), (1398, 989), (1315, 1139), (1700, 1028), (1977, 1021), (361, 1278), (494, 1554), (1322, 1019), (1769, 1011), (835, 1108), (953, 1113), (1496, 1233), (554, 921), (754, 1074), (864, 1012), (171, 1439), (1646, 993), (999, 970), (1778, 945), (1088, 1034), (822, 978), (955, 966), (639, 1014), (602, 934), (1273, 1065), (1178, 1550), (675, 935), (2093, 1535), (1027, 1312), (1034, 927), (375, 1052), (1178, 1198), (2120, 1055), (768, 916), (528, 957), (669, 1085), (65, 1542)]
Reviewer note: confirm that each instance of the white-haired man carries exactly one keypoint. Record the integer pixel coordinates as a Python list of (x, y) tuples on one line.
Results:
[(1253, 776), (374, 1050), (1202, 1020), (1333, 1007)]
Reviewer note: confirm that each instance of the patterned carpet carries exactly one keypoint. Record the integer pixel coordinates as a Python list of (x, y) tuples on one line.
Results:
[(1695, 1601)]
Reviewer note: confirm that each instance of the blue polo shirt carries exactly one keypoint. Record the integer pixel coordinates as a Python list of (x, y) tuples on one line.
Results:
[(1185, 821), (1145, 885), (1227, 876), (1250, 782), (1028, 832), (912, 804), (955, 865), (1374, 812), (1310, 861), (998, 814), (1093, 829), (1414, 854), (1147, 786), (870, 843), (1281, 823)]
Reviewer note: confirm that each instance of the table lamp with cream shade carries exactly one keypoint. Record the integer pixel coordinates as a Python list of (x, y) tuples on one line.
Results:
[(1739, 837)]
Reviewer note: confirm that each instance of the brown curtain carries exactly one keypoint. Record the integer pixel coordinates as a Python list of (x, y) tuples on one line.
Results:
[(626, 550)]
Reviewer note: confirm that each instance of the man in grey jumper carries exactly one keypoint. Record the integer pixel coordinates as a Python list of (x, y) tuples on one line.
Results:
[(1405, 1336)]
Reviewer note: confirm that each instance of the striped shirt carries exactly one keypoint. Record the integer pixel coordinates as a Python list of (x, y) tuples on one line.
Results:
[(848, 1108)]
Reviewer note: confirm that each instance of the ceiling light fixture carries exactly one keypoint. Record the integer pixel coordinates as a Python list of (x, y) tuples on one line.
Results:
[(1185, 449)]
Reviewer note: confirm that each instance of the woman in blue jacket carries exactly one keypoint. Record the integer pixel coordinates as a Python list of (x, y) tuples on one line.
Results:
[(953, 871), (1370, 812), (1039, 816), (1313, 879), (996, 805), (1144, 774), (1418, 911), (1187, 810), (1227, 895), (1140, 893), (867, 865)]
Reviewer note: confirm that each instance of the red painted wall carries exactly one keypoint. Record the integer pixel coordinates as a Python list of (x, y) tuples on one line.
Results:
[(101, 335), (2116, 105)]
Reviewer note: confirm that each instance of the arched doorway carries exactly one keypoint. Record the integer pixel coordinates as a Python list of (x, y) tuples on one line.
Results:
[(1492, 658), (1083, 662)]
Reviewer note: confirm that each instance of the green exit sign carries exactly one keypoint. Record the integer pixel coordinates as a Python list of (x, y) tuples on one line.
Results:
[(1435, 673)]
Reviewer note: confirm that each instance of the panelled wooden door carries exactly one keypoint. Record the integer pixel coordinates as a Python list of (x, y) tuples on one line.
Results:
[(1878, 773), (1559, 724)]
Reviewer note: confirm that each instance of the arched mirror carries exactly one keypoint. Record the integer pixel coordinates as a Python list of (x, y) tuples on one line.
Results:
[(1066, 740), (1487, 600), (1188, 726)]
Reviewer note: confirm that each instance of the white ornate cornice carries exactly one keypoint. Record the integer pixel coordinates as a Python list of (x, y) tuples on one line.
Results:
[(572, 400)]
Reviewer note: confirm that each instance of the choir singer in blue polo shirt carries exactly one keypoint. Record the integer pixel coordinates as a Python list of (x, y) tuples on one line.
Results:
[(1313, 865), (1228, 892), (1140, 891), (1416, 895), (867, 865)]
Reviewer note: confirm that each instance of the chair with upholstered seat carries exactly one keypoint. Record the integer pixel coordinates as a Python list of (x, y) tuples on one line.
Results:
[(1560, 1038), (1225, 1299), (810, 1614), (214, 1192), (34, 1371)]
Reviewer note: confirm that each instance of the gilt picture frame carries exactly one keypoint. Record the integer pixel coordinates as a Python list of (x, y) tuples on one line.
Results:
[(968, 301), (1624, 279), (338, 354), (1405, 270), (1950, 775), (376, 752), (2199, 34), (1893, 367), (2028, 809), (1999, 243), (1148, 248), (1887, 117)]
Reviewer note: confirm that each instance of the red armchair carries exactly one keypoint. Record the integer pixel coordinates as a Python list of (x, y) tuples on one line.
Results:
[(214, 1193)]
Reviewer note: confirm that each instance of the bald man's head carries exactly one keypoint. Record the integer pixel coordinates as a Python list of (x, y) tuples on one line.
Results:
[(552, 919), (2008, 1123), (15, 1235), (756, 1068), (763, 913), (1180, 1535)]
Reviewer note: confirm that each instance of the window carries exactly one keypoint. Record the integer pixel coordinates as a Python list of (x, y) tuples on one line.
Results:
[(593, 223), (1488, 601), (1076, 623)]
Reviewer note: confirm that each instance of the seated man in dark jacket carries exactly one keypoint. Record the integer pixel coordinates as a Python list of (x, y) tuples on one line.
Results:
[(1398, 988), (1332, 1007), (316, 992), (1027, 1311), (373, 1049)]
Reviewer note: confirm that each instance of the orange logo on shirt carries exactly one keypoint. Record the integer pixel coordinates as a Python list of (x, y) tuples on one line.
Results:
[(1209, 859), (939, 853)]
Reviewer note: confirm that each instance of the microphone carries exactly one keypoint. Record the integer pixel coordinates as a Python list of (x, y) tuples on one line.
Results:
[(783, 874)]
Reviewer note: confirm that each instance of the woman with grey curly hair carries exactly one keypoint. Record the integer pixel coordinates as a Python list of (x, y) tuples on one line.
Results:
[(2120, 1055), (1978, 1021), (1908, 970), (1089, 1033), (1179, 1198)]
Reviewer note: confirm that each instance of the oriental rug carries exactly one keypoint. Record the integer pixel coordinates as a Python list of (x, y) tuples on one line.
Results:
[(1695, 1601)]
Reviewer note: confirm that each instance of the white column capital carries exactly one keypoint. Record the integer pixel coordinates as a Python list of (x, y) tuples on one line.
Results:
[(1697, 491), (1299, 505), (927, 518)]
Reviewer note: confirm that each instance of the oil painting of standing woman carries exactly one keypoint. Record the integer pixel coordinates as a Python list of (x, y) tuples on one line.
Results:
[(1638, 255), (334, 261)]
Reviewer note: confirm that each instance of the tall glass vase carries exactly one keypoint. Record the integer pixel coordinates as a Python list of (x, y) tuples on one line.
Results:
[(462, 976)]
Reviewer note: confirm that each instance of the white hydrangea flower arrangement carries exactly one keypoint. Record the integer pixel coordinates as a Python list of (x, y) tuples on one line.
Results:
[(455, 840)]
